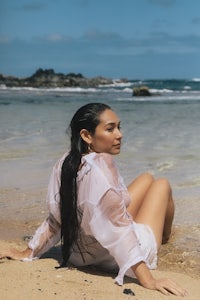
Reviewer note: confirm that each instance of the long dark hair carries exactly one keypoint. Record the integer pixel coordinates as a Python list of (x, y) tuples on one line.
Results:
[(87, 117)]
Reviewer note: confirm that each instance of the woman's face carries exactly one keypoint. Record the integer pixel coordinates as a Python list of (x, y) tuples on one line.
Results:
[(107, 137)]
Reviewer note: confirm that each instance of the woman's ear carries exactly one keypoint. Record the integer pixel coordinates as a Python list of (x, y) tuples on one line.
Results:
[(86, 136)]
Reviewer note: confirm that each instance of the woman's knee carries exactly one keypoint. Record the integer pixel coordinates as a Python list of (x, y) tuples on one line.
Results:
[(141, 183), (147, 178), (164, 185)]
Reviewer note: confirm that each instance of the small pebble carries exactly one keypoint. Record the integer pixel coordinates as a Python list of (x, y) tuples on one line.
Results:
[(27, 238), (128, 292)]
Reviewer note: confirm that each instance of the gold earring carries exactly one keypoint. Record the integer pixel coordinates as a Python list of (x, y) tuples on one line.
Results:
[(89, 148)]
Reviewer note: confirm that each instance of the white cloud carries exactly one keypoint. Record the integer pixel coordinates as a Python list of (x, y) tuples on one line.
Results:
[(53, 38), (56, 37), (99, 35)]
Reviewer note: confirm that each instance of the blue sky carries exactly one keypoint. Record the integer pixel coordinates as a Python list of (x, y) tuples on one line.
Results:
[(135, 39)]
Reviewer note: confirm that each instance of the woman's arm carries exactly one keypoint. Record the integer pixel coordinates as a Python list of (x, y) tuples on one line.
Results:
[(45, 237), (48, 234), (164, 285), (111, 226), (13, 253)]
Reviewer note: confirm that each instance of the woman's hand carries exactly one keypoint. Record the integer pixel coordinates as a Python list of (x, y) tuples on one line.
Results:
[(13, 253), (165, 286)]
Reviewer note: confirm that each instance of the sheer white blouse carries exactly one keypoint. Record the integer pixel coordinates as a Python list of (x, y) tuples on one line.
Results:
[(110, 237)]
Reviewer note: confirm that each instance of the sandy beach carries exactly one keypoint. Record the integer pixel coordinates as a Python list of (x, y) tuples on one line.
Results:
[(179, 260), (40, 280)]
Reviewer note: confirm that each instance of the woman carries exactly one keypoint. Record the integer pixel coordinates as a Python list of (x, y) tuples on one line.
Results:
[(99, 220)]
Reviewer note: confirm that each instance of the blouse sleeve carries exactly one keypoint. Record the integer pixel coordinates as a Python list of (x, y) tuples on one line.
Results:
[(109, 221), (48, 234)]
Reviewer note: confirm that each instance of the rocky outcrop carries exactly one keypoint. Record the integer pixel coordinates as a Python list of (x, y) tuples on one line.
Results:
[(49, 79), (141, 91)]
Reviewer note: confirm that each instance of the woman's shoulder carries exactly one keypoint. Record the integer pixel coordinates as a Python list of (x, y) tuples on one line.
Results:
[(108, 158), (95, 156), (58, 164), (100, 159), (99, 165), (105, 163)]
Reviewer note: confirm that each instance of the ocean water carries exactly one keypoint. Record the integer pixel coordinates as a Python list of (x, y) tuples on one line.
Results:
[(160, 135)]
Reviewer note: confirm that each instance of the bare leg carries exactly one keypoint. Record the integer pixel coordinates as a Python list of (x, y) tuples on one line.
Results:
[(137, 190), (152, 204), (168, 221)]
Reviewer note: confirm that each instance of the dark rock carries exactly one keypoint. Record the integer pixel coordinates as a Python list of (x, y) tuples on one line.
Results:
[(49, 79), (141, 91)]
